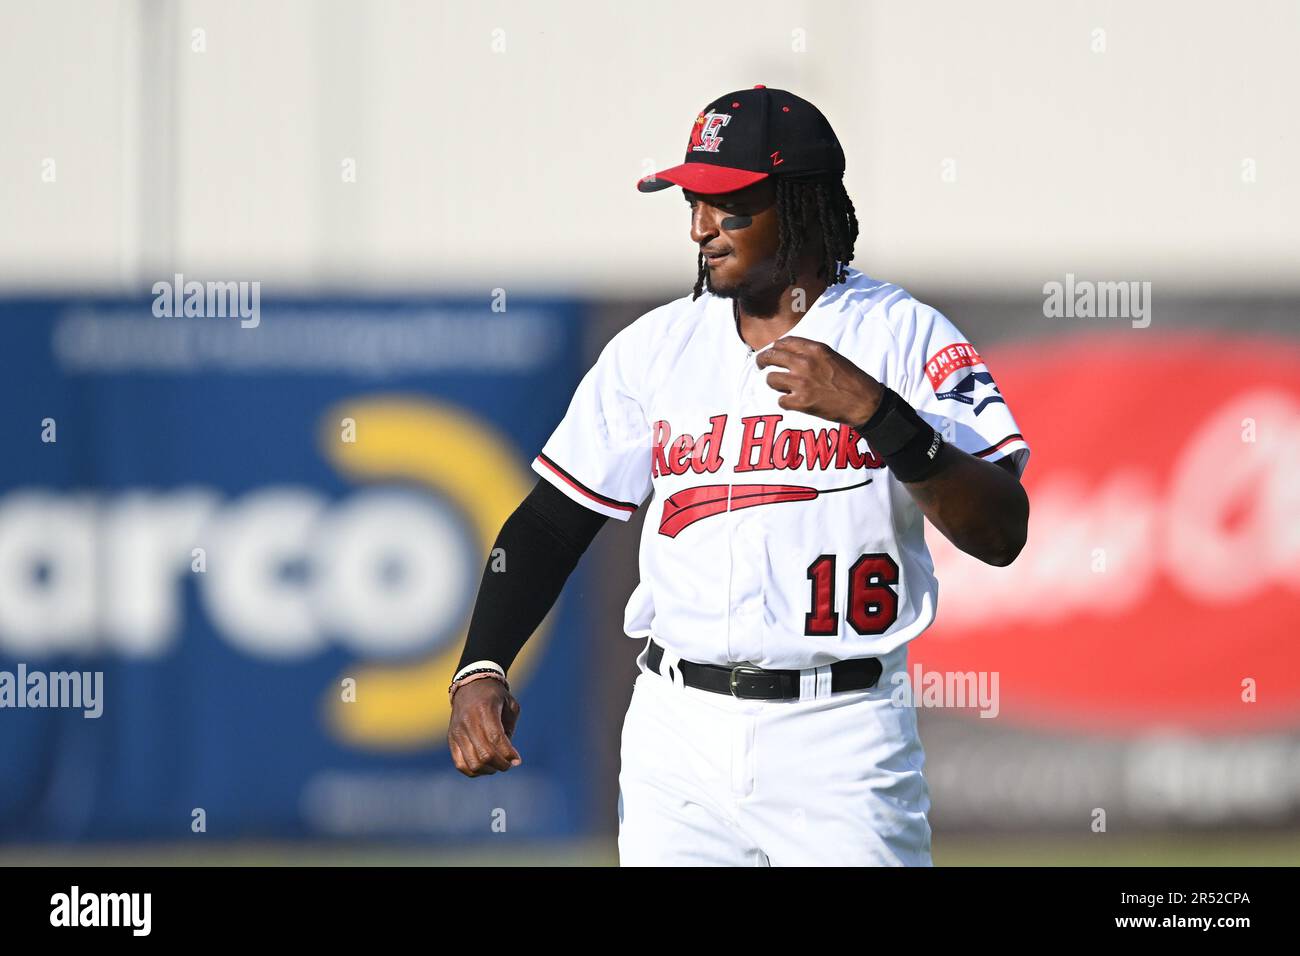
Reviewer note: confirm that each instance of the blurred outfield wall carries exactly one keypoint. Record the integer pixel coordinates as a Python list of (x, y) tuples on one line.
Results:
[(268, 541)]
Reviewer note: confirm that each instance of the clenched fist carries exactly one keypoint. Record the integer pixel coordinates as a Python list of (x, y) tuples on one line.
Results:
[(820, 381), (483, 716)]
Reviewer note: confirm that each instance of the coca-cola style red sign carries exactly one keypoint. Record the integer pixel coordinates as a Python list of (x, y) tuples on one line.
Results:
[(1160, 587)]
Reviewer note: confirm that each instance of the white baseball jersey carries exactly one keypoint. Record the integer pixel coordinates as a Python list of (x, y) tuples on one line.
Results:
[(773, 537)]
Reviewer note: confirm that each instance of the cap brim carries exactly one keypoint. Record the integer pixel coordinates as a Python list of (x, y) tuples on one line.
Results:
[(702, 178)]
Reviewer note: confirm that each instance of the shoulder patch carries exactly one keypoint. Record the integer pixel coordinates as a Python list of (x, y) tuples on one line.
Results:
[(949, 359)]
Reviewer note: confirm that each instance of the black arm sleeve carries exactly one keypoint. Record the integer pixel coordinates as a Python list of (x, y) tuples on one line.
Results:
[(540, 544)]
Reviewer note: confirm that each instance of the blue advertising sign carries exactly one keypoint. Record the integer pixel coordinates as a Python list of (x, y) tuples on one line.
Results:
[(238, 560)]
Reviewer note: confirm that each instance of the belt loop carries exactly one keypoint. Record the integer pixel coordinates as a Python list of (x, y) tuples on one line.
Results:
[(808, 683), (669, 668), (823, 681)]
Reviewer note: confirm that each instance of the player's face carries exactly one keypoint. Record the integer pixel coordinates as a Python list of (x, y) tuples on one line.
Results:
[(737, 232)]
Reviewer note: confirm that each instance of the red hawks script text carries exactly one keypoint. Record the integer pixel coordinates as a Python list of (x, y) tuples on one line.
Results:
[(764, 446)]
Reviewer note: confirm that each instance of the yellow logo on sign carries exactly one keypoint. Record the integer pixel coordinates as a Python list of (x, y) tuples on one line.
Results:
[(445, 449)]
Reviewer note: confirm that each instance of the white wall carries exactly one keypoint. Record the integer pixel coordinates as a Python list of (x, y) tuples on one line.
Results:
[(478, 168)]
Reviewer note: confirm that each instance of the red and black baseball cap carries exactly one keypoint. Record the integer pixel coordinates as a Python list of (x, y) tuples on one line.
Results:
[(749, 135)]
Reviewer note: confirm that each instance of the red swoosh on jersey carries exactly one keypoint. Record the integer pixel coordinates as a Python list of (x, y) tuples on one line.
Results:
[(690, 505)]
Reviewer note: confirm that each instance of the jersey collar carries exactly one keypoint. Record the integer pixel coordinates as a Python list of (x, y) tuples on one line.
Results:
[(828, 303)]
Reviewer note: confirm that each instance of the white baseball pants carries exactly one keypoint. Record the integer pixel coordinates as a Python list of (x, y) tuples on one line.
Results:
[(712, 780)]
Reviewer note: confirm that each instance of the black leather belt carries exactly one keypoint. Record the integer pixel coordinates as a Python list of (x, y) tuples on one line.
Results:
[(756, 683)]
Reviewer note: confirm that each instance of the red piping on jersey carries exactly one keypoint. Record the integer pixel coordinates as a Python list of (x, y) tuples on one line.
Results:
[(583, 489), (1006, 441)]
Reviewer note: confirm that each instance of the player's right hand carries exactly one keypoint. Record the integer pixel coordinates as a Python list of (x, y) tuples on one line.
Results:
[(483, 716)]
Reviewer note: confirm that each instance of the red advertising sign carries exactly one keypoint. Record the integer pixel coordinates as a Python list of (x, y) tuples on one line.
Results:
[(1160, 588)]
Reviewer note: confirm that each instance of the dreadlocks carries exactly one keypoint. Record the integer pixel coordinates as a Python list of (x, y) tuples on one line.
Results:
[(803, 208)]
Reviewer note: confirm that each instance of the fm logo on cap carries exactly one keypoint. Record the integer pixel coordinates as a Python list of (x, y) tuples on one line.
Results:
[(704, 134)]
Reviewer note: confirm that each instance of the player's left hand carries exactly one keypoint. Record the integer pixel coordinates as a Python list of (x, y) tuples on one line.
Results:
[(820, 381)]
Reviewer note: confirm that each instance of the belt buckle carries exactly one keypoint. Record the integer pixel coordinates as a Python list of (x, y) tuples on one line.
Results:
[(747, 669)]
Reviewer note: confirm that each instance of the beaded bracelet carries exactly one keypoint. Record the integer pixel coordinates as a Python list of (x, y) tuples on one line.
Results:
[(470, 676)]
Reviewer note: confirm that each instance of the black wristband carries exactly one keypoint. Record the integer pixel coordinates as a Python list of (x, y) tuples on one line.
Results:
[(902, 438)]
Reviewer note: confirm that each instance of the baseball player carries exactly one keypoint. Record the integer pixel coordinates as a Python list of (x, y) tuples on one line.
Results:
[(795, 420)]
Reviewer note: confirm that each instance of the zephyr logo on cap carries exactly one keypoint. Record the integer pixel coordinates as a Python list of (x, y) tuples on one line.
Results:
[(747, 136)]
